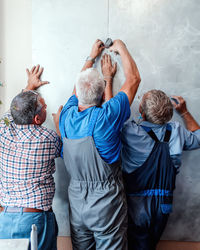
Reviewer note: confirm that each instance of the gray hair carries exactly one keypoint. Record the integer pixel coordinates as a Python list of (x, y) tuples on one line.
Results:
[(24, 107), (90, 88), (157, 107)]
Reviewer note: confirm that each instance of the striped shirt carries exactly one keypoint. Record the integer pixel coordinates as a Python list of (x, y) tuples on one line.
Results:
[(27, 154)]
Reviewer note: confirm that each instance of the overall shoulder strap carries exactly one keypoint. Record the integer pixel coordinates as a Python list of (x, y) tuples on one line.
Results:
[(93, 120), (154, 137), (150, 133), (167, 133)]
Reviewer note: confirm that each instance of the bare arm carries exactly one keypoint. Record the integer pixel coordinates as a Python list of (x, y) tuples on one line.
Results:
[(97, 48), (56, 117), (188, 119), (108, 71), (131, 72)]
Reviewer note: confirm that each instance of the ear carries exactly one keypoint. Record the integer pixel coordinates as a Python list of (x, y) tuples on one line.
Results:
[(143, 116), (142, 112), (140, 109), (37, 120)]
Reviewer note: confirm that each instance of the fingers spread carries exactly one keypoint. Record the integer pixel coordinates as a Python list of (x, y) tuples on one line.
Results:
[(104, 58), (36, 69), (40, 72), (109, 59), (44, 82), (32, 70), (101, 62)]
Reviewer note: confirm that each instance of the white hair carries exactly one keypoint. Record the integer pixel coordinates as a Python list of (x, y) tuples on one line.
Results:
[(157, 107), (90, 88)]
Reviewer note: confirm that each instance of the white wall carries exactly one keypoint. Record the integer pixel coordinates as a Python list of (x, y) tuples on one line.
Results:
[(15, 47), (162, 36)]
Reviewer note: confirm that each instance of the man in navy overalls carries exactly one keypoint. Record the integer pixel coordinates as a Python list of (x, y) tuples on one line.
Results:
[(151, 155), (91, 150)]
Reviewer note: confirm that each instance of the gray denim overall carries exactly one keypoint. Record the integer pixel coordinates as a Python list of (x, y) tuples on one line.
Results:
[(98, 209)]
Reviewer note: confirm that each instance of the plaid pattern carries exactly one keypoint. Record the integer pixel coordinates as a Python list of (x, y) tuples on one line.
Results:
[(27, 154)]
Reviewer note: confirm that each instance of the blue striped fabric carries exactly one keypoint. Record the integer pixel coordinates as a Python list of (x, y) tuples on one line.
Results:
[(152, 192)]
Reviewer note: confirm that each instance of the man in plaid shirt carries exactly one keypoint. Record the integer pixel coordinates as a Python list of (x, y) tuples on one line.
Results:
[(27, 153)]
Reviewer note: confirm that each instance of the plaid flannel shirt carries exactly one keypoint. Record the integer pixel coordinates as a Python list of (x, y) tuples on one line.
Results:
[(27, 154)]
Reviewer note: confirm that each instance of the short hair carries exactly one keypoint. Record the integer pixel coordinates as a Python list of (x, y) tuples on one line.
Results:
[(157, 107), (24, 107), (90, 88)]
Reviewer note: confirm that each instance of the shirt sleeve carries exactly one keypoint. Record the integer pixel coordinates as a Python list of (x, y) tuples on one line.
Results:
[(192, 140), (73, 101), (58, 146), (189, 140), (117, 110)]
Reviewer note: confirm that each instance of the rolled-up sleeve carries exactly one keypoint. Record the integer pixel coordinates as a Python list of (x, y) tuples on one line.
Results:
[(184, 138), (192, 140)]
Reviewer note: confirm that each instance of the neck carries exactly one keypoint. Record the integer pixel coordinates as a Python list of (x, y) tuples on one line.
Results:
[(82, 108)]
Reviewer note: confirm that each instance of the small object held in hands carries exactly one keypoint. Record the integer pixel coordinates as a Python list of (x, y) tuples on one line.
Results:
[(108, 43), (175, 100)]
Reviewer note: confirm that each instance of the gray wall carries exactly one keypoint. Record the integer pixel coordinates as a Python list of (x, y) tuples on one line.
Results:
[(162, 36)]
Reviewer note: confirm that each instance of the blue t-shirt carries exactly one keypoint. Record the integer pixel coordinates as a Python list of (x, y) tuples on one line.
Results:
[(112, 115)]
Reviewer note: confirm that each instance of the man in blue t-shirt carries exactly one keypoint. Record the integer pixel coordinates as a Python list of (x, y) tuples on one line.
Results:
[(91, 150)]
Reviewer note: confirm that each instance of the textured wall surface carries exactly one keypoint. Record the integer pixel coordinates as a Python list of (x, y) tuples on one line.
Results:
[(162, 36)]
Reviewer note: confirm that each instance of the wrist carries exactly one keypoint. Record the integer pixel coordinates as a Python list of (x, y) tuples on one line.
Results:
[(29, 87), (107, 77), (184, 113), (90, 58), (108, 81)]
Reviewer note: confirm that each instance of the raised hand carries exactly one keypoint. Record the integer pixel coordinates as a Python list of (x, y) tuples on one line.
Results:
[(180, 107), (97, 48), (34, 75), (108, 70), (117, 46), (56, 117)]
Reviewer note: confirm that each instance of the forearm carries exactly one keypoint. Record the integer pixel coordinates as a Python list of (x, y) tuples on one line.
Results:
[(129, 65), (190, 122), (131, 73), (95, 52), (108, 90), (57, 129), (87, 65)]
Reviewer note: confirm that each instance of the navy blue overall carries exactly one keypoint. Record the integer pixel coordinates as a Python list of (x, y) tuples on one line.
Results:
[(97, 201), (149, 192)]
